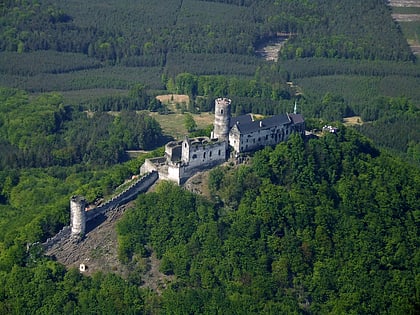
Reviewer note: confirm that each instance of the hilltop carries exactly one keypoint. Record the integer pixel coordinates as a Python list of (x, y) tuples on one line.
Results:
[(82, 86)]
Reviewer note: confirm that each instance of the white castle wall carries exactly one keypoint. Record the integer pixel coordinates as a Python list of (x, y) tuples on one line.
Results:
[(260, 138), (203, 153)]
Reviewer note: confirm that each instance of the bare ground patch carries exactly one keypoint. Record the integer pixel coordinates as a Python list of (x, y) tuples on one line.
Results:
[(404, 3), (171, 100), (351, 121), (399, 17), (98, 251)]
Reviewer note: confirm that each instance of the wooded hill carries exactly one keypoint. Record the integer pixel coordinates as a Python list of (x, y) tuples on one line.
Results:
[(326, 225)]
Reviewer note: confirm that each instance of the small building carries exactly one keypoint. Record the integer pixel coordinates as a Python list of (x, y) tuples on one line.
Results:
[(82, 267)]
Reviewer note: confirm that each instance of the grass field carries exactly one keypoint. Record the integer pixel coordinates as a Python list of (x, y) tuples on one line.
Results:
[(173, 124), (351, 121)]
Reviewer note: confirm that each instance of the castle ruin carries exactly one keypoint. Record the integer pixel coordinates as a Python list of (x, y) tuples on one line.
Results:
[(231, 135)]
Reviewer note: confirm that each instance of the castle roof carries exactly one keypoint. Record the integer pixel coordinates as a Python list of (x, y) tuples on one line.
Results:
[(297, 118), (254, 125), (239, 120)]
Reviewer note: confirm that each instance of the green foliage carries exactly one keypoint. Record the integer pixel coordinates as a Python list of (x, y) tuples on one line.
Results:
[(286, 238), (171, 221), (189, 122), (283, 235), (44, 132), (47, 288)]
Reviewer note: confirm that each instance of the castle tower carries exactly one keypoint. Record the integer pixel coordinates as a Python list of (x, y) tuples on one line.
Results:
[(77, 216), (185, 154), (221, 119)]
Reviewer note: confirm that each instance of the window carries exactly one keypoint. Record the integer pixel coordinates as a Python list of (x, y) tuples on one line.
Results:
[(221, 111), (210, 154), (219, 152), (204, 155)]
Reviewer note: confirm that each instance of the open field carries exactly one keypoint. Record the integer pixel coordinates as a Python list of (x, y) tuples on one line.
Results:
[(351, 121), (407, 14), (173, 124)]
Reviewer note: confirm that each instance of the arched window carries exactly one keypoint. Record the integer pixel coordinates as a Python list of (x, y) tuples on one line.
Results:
[(221, 111)]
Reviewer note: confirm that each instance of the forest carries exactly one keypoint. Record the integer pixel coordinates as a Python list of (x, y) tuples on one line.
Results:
[(321, 225), (326, 225)]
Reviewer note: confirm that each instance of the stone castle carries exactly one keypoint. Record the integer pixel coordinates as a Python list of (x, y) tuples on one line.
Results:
[(231, 136)]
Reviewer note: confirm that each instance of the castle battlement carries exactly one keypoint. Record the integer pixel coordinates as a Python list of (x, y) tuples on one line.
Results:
[(184, 158)]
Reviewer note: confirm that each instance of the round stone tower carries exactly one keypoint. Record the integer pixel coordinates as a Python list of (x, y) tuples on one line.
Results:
[(221, 119), (77, 216)]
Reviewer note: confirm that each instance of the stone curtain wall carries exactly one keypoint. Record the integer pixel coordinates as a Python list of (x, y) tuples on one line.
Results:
[(64, 234), (129, 194)]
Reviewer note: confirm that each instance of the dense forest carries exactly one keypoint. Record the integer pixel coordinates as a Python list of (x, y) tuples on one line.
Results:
[(326, 225), (93, 31), (44, 132)]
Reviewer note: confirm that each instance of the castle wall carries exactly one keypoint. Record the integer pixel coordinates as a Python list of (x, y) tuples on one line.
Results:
[(129, 194), (148, 166), (206, 152), (174, 173), (173, 150), (235, 139), (258, 139)]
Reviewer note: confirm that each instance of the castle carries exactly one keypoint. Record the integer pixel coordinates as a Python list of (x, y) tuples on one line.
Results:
[(230, 136)]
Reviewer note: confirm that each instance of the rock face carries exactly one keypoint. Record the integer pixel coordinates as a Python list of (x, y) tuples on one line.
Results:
[(97, 250)]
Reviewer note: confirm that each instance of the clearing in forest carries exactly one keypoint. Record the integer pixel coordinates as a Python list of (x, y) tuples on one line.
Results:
[(351, 121), (173, 123)]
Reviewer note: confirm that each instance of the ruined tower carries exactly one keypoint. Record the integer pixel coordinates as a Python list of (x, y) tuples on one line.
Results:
[(221, 119), (77, 216)]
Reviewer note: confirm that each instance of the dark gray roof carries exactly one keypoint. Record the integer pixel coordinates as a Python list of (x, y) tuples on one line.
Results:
[(297, 118), (242, 119), (252, 126)]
